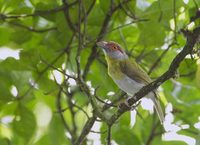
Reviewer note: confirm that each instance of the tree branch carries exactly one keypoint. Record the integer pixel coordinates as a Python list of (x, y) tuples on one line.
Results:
[(59, 107), (109, 135), (31, 28), (37, 13), (85, 130), (192, 38), (90, 122)]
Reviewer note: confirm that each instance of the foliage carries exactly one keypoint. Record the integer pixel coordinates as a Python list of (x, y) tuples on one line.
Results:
[(56, 91)]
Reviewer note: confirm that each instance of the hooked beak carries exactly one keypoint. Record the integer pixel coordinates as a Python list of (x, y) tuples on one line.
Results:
[(102, 44)]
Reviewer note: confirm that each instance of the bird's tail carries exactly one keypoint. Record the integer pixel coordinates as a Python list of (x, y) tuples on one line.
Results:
[(158, 108)]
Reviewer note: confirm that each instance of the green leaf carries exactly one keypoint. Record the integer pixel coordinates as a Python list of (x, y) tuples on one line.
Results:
[(5, 94), (20, 35), (9, 108), (5, 35), (11, 64), (103, 81), (151, 37), (29, 58), (57, 131), (186, 71), (21, 81), (45, 5), (64, 33), (123, 135), (40, 96), (44, 140), (198, 75), (4, 141), (24, 123), (10, 5), (81, 98), (93, 24), (125, 119), (160, 142)]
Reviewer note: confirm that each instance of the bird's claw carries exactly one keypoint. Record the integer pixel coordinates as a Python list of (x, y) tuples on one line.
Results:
[(126, 105)]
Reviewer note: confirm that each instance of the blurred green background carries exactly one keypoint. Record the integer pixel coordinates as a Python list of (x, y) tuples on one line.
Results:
[(47, 47)]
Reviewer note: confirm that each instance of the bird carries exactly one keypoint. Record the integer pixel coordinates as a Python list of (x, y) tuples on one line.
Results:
[(127, 74)]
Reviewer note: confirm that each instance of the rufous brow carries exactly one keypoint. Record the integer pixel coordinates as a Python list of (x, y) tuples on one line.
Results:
[(114, 47)]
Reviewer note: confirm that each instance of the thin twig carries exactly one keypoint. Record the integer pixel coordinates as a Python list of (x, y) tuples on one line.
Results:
[(61, 71), (108, 104), (59, 107), (80, 108), (37, 13), (85, 130), (61, 110), (99, 132), (127, 10), (175, 23), (127, 24), (155, 64), (109, 135), (196, 4), (31, 28), (79, 41), (72, 26), (153, 130), (73, 114), (188, 74)]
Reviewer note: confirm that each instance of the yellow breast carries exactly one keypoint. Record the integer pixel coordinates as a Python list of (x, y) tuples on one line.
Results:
[(114, 69)]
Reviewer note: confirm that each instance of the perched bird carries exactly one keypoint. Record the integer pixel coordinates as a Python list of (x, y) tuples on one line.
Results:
[(126, 73)]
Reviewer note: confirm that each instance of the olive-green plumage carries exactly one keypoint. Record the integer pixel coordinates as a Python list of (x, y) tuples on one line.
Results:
[(117, 69)]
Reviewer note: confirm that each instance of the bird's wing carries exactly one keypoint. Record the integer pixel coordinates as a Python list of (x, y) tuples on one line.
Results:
[(134, 71)]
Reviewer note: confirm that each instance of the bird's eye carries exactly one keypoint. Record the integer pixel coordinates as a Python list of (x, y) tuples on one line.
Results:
[(115, 47)]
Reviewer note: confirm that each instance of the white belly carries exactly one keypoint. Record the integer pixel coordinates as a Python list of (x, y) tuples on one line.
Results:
[(128, 85), (131, 87)]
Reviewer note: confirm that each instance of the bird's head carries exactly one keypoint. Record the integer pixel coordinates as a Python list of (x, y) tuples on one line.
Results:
[(112, 49)]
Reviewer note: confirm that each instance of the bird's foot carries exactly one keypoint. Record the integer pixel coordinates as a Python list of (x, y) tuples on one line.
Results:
[(127, 102), (126, 105)]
